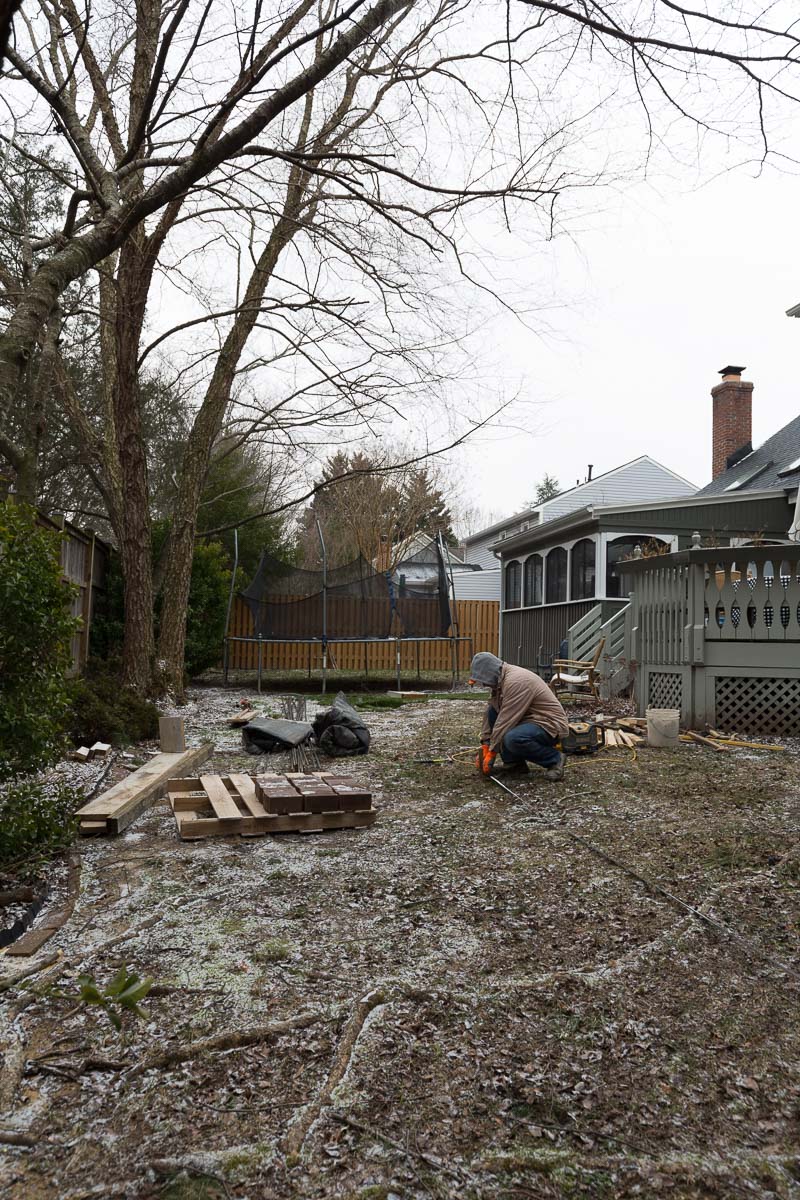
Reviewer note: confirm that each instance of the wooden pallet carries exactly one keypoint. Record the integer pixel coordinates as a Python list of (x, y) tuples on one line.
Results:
[(221, 805), (120, 805)]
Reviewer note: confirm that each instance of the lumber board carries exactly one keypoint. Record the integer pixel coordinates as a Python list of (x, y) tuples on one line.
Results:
[(171, 735), (126, 800), (691, 736), (224, 806), (203, 827), (242, 718), (246, 788)]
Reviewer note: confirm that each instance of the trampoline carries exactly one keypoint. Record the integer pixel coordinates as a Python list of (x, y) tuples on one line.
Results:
[(350, 603)]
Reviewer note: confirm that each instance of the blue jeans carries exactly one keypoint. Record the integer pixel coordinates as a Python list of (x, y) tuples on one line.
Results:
[(527, 741)]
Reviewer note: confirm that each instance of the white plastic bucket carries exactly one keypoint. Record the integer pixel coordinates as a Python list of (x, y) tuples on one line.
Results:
[(663, 726)]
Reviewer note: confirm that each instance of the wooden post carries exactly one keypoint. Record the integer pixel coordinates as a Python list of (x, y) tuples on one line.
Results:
[(171, 735)]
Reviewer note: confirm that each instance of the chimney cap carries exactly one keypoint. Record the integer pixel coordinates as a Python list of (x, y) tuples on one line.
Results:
[(732, 370)]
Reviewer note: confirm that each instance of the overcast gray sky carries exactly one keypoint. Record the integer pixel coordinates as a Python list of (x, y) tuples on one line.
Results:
[(673, 281)]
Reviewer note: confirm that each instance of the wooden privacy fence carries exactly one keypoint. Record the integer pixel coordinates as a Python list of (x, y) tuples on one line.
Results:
[(477, 619), (84, 562)]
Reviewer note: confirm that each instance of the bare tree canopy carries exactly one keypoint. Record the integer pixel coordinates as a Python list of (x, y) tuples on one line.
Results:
[(303, 181)]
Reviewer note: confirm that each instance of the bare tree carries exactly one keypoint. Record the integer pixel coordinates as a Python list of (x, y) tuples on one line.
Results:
[(151, 149)]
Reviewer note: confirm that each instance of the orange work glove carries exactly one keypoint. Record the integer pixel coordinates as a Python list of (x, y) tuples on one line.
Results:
[(484, 760)]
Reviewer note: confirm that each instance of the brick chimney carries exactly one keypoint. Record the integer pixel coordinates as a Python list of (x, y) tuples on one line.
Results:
[(733, 420)]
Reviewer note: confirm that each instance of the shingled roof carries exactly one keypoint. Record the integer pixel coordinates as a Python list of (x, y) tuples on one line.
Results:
[(775, 463)]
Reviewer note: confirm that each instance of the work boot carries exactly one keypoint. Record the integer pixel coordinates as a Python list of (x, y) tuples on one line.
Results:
[(556, 773), (503, 769)]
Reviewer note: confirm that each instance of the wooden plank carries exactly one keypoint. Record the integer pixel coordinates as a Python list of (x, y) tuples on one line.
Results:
[(171, 735), (125, 801), (100, 749), (224, 806), (82, 754), (691, 736), (187, 801), (246, 788), (242, 718), (293, 823)]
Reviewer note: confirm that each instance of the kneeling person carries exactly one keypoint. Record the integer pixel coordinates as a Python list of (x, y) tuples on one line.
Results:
[(523, 720)]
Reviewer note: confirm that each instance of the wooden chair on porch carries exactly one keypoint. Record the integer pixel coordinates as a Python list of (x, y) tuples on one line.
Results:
[(572, 675)]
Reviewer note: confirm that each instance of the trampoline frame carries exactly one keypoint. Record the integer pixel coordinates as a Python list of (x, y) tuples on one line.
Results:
[(324, 641)]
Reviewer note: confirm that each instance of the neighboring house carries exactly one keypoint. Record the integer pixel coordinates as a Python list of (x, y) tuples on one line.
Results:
[(641, 479), (419, 568), (555, 574), (477, 584)]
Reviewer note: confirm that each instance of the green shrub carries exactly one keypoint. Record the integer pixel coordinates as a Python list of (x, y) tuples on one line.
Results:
[(35, 632), (36, 818), (208, 603), (105, 711)]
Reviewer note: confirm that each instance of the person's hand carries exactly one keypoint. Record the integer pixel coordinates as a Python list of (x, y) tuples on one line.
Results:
[(485, 759)]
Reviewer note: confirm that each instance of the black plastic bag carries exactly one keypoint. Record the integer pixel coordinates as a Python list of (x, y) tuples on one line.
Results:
[(340, 731)]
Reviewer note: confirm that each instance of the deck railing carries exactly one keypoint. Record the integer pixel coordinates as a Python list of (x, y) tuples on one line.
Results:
[(717, 631), (745, 595)]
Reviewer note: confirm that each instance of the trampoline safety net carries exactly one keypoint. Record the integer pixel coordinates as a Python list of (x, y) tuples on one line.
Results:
[(352, 601)]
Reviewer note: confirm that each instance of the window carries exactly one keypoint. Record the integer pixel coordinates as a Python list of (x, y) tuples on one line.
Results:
[(556, 578), (513, 576), (582, 570), (620, 549), (532, 580)]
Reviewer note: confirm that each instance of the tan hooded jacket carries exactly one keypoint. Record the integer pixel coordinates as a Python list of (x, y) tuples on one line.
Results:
[(522, 696)]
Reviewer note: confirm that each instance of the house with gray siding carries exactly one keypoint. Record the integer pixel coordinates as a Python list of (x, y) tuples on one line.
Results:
[(641, 479), (572, 577)]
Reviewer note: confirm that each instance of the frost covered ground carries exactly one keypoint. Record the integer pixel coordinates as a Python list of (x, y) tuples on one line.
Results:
[(461, 1001)]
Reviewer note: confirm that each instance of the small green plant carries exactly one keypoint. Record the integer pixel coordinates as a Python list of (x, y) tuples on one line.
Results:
[(36, 818), (273, 950), (122, 994)]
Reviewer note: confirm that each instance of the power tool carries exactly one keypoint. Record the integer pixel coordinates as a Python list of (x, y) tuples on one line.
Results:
[(582, 738)]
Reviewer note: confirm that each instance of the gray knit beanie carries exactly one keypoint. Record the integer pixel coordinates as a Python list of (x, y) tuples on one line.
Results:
[(486, 668)]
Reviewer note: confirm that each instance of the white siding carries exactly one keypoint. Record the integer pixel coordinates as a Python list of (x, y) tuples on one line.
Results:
[(477, 585), (642, 479), (478, 551), (477, 546)]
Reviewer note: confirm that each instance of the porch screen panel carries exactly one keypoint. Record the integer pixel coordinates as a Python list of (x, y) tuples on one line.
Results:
[(556, 578), (532, 580), (513, 581), (625, 547), (582, 570)]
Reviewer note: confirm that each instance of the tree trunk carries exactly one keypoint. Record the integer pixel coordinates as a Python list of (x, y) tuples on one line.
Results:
[(138, 648), (180, 544)]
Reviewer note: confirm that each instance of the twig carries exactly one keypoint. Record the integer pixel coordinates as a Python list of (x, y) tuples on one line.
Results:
[(382, 1137), (9, 1137)]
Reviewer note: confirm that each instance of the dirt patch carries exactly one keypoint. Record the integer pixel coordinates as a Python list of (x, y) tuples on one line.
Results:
[(460, 1001)]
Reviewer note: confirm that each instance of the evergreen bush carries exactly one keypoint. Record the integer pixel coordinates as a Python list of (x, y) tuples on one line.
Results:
[(104, 711), (37, 818), (35, 632)]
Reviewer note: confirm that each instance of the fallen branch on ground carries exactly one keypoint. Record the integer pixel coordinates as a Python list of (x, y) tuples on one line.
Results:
[(233, 1040), (13, 980), (298, 1131)]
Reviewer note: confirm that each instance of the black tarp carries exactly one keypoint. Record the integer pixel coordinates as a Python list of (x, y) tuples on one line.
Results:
[(340, 731)]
